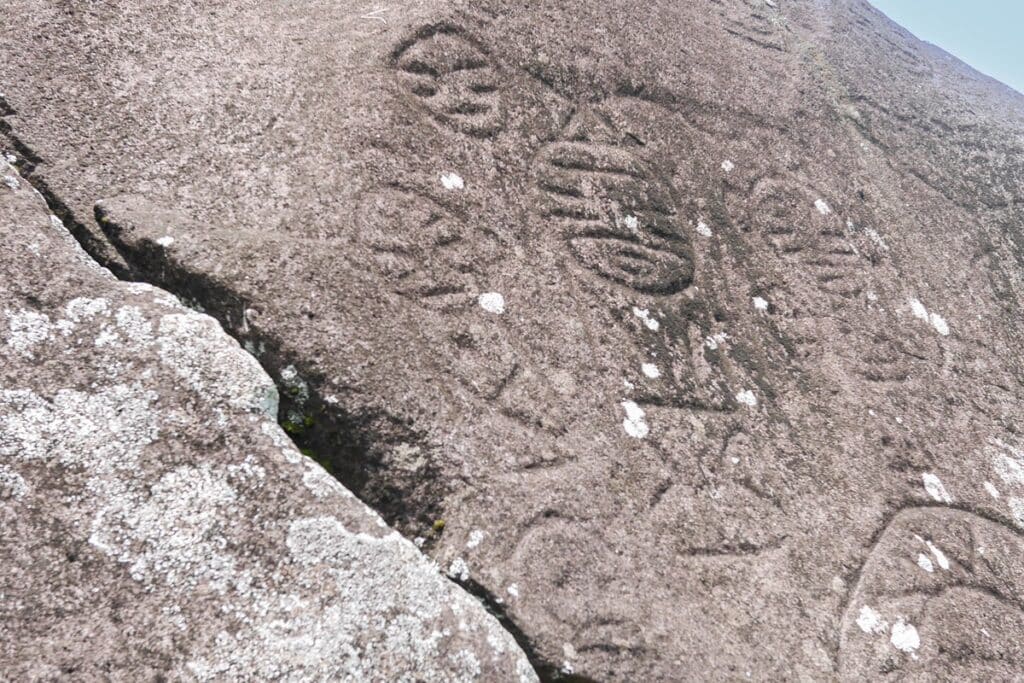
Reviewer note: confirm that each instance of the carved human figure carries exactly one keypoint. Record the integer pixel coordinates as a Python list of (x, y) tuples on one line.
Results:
[(618, 220), (803, 227), (433, 258)]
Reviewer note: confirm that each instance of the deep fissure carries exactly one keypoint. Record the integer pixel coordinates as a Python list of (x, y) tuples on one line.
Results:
[(343, 443)]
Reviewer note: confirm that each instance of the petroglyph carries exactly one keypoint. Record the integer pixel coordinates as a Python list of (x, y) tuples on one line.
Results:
[(941, 590), (617, 218), (451, 75)]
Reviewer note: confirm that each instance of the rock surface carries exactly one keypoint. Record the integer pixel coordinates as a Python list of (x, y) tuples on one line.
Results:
[(158, 523), (696, 323)]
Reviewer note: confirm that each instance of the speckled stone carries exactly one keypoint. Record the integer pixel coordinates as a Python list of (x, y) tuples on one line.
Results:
[(677, 329), (158, 523)]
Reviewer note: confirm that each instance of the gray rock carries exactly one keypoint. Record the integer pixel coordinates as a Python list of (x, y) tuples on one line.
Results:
[(158, 523), (696, 323)]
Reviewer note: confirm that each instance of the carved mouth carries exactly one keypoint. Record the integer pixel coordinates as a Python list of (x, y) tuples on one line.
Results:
[(651, 271), (437, 295)]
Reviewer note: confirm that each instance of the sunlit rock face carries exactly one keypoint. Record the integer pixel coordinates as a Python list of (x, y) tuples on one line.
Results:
[(684, 333), (158, 523)]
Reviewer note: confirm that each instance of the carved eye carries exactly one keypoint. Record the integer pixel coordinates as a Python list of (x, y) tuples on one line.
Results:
[(424, 89), (420, 67)]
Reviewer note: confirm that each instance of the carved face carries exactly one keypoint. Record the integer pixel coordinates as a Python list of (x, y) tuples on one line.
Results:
[(802, 227), (424, 250), (454, 80), (619, 220)]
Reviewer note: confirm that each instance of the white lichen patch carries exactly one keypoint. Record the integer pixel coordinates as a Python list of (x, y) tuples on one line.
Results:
[(452, 181), (194, 345), (936, 490), (940, 557), (934, 319), (399, 605), (11, 182), (458, 569), (12, 484), (492, 302), (905, 637), (703, 229), (650, 370), (321, 484), (822, 206), (1016, 505), (26, 330), (173, 532), (131, 329), (632, 223), (760, 304), (939, 323), (728, 166), (747, 398), (165, 241), (716, 340), (871, 621), (991, 489), (918, 309), (634, 423), (513, 590), (1010, 469), (876, 239), (85, 308), (476, 537), (645, 315)]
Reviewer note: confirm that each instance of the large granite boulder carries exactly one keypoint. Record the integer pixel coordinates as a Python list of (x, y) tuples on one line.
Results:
[(685, 334), (157, 522)]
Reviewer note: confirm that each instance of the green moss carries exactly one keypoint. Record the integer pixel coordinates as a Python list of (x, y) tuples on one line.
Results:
[(438, 526), (292, 428), (298, 425)]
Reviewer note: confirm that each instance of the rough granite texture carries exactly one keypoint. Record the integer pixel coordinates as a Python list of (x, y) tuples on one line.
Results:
[(157, 522), (697, 323)]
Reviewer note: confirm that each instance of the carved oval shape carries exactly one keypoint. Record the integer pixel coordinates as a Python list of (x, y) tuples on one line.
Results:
[(644, 269)]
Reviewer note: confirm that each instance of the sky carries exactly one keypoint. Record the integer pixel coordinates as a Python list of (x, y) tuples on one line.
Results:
[(987, 34)]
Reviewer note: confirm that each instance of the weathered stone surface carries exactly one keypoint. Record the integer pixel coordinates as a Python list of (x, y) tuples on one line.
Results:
[(696, 322), (158, 523)]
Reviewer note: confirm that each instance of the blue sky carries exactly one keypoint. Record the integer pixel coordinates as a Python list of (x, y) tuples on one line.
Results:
[(987, 34)]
